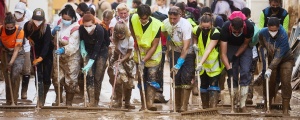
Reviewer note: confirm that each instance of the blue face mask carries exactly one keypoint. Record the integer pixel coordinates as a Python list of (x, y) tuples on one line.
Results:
[(66, 23)]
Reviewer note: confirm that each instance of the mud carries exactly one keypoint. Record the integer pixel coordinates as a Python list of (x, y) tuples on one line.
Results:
[(64, 114)]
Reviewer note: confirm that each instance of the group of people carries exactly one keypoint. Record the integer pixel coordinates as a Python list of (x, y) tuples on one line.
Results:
[(134, 44)]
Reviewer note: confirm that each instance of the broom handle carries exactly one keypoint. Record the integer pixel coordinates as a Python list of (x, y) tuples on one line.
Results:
[(231, 89), (36, 79), (173, 81), (84, 84), (58, 81), (9, 80), (198, 77), (115, 80)]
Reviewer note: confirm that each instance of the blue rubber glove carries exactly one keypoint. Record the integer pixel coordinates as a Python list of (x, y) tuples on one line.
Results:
[(55, 29), (154, 84), (169, 38), (82, 49), (178, 65), (87, 67), (60, 51)]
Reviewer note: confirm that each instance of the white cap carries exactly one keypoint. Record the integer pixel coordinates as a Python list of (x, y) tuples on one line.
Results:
[(20, 7)]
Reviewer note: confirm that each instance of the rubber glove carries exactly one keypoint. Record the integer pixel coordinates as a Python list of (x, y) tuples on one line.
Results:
[(55, 29), (195, 47), (199, 67), (36, 61), (169, 38), (234, 58), (82, 49), (142, 65), (178, 65), (87, 67), (229, 72), (268, 73), (60, 51)]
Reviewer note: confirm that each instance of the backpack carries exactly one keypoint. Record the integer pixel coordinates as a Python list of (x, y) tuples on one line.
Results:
[(160, 16), (193, 13), (239, 14)]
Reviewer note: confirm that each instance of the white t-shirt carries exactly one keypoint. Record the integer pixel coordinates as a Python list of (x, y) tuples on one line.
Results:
[(179, 32), (26, 45), (125, 45), (28, 14), (91, 5), (240, 4), (222, 7)]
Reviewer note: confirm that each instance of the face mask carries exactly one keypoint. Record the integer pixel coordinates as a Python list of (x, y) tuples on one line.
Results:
[(205, 31), (273, 34), (37, 23), (275, 8), (238, 34), (10, 32), (18, 15), (90, 29), (66, 22)]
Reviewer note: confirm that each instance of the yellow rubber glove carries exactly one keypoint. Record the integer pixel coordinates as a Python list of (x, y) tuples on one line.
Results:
[(36, 61)]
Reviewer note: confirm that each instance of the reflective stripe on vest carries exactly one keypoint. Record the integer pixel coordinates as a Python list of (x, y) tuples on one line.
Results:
[(144, 40), (211, 64)]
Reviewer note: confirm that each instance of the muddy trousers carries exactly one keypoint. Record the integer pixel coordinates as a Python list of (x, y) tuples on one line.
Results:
[(209, 90), (13, 77), (252, 70), (44, 70), (69, 69), (26, 75), (285, 70), (95, 76)]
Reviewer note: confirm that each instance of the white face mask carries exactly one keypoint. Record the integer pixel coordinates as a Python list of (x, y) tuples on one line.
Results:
[(37, 23), (90, 29), (273, 34), (19, 15), (238, 34)]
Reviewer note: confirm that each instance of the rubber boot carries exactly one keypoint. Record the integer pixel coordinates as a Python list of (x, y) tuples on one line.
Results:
[(243, 97), (205, 99), (69, 99), (118, 97), (150, 95), (185, 99), (25, 82), (127, 97), (142, 100), (8, 95), (285, 107), (178, 99), (250, 95), (46, 89), (159, 98), (41, 95), (56, 99), (195, 90), (213, 98), (91, 95), (235, 95)]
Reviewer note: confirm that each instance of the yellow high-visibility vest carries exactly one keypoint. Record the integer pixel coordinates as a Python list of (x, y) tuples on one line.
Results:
[(212, 65), (144, 40)]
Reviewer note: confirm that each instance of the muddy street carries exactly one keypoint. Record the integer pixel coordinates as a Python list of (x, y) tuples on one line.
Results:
[(107, 114)]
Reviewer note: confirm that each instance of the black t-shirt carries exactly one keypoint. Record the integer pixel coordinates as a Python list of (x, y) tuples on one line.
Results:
[(226, 36), (215, 36), (146, 26)]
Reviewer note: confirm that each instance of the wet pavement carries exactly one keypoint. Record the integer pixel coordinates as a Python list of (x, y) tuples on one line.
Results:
[(135, 114)]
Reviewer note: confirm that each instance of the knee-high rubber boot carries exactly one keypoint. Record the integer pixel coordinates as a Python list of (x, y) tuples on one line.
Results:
[(41, 94), (235, 95), (150, 95), (205, 99), (58, 94), (25, 82), (185, 99), (243, 97), (46, 89), (213, 98), (127, 93), (118, 97), (142, 100), (178, 95), (285, 106), (91, 95), (69, 99), (250, 95), (195, 90)]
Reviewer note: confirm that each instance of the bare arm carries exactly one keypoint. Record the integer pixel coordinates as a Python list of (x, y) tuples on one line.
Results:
[(15, 54), (129, 51), (224, 57), (186, 44), (208, 49), (151, 51)]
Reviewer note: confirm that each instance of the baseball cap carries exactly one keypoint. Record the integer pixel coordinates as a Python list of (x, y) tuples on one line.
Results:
[(20, 7), (38, 14)]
